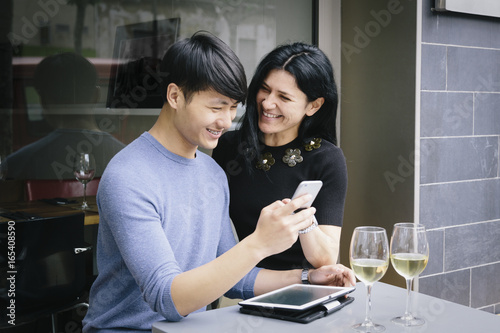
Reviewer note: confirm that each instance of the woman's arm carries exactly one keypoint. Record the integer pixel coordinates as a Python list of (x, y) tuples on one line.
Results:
[(321, 245), (332, 275)]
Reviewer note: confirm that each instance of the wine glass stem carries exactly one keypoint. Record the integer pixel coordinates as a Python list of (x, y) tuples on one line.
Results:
[(85, 194), (408, 314), (368, 318)]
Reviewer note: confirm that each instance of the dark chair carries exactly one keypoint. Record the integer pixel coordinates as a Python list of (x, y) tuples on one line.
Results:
[(37, 189), (47, 274)]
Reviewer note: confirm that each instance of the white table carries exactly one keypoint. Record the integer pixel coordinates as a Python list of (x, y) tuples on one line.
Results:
[(387, 302)]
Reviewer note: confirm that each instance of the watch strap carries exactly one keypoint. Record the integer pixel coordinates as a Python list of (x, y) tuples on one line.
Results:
[(313, 225), (305, 276)]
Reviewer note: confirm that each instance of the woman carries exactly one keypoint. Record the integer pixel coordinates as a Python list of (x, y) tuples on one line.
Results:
[(288, 135)]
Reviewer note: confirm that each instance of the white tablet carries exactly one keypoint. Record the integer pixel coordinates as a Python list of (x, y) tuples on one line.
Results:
[(297, 297)]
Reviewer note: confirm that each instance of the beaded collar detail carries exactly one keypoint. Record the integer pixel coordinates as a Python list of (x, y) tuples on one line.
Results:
[(292, 156), (313, 144), (265, 162)]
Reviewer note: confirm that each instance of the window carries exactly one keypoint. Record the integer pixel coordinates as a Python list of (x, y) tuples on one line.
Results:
[(251, 28)]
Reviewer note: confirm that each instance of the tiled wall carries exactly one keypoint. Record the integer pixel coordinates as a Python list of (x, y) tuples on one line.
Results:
[(460, 163)]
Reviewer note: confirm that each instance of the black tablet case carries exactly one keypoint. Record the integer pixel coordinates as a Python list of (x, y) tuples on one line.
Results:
[(302, 316)]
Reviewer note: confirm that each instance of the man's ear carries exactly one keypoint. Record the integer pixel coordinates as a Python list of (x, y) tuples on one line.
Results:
[(174, 93), (315, 106)]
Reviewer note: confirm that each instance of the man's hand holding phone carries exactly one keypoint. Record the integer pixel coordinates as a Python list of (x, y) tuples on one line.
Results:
[(281, 222), (278, 228)]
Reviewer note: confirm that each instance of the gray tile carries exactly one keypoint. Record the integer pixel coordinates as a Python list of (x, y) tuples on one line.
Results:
[(443, 205), (433, 67), (487, 114), (446, 114), (473, 69), (472, 245), (435, 238), (459, 29), (455, 159), (489, 309), (453, 287), (485, 287)]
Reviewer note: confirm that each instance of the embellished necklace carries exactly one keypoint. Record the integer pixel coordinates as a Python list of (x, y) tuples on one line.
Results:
[(292, 156)]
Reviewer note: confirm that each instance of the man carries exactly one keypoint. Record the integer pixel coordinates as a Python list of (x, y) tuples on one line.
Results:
[(165, 244), (66, 84)]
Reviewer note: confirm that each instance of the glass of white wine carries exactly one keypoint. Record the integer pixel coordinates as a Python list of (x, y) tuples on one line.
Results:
[(369, 257), (409, 256), (84, 170)]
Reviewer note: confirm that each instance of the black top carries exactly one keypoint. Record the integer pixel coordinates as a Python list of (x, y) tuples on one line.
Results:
[(249, 193)]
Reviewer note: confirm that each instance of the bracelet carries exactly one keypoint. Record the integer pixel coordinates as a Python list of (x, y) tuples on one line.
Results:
[(311, 227)]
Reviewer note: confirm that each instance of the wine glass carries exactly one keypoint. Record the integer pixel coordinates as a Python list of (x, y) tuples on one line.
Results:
[(84, 170), (409, 256), (369, 257)]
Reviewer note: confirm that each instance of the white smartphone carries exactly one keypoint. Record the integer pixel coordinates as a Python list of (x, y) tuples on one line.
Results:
[(311, 187)]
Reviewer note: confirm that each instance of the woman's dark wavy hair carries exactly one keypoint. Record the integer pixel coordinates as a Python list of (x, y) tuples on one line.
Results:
[(314, 75), (203, 62)]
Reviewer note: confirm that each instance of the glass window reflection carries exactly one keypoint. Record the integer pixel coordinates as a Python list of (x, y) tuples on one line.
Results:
[(94, 30)]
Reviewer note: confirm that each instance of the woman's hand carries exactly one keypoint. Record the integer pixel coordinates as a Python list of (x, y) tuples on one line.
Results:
[(333, 275)]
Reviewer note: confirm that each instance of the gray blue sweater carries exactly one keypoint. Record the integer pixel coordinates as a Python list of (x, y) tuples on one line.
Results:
[(160, 215)]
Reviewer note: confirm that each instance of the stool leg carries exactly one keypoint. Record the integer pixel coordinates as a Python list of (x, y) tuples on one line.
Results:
[(54, 322)]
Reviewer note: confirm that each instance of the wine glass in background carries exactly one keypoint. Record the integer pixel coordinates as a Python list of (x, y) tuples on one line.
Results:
[(409, 256), (84, 170), (369, 258)]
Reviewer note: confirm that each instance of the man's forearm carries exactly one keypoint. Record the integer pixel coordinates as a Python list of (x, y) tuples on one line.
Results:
[(200, 286), (268, 280)]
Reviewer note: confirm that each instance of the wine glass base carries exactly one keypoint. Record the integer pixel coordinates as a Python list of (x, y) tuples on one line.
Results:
[(408, 321), (368, 327), (84, 206)]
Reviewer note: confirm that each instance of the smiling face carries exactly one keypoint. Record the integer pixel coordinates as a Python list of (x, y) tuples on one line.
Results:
[(282, 106), (201, 120), (184, 125)]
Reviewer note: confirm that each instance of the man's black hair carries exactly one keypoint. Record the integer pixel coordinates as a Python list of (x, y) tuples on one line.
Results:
[(203, 62)]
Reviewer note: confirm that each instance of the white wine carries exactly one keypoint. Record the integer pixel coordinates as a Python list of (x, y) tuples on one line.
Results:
[(369, 270), (409, 265)]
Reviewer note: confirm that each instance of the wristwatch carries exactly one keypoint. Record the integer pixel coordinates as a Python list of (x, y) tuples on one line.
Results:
[(305, 276)]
